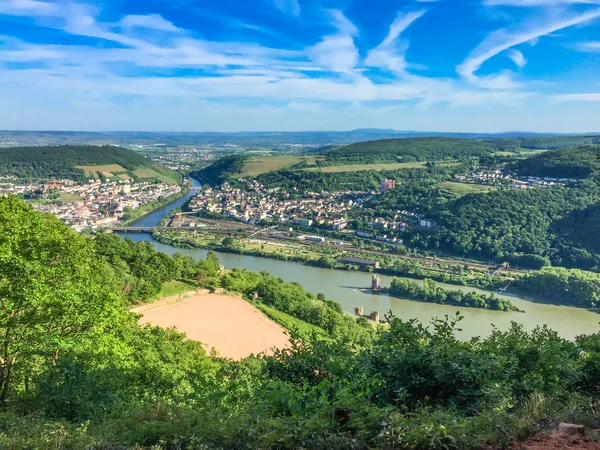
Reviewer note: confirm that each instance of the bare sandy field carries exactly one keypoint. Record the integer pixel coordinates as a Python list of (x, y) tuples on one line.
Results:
[(229, 324)]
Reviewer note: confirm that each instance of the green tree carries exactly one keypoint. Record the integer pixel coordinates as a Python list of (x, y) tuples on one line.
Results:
[(228, 242), (54, 292)]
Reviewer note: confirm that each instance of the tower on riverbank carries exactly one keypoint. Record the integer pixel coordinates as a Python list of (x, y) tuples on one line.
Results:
[(374, 316)]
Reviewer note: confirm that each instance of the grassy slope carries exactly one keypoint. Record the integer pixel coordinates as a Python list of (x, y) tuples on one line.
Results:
[(289, 322), (359, 167), (461, 189), (254, 166), (171, 288)]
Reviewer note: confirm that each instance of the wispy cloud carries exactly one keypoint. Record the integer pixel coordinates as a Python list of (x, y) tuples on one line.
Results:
[(529, 3), (152, 62), (590, 46), (506, 38), (28, 8), (337, 52), (390, 54), (518, 58), (151, 21), (588, 97), (289, 7)]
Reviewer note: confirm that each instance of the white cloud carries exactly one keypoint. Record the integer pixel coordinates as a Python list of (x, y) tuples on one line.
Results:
[(390, 53), (152, 21), (289, 7), (342, 23), (518, 58), (317, 79), (28, 8), (337, 52), (505, 39), (529, 3), (590, 46), (588, 97)]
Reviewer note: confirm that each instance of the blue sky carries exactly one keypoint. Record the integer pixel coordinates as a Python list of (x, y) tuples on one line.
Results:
[(234, 65)]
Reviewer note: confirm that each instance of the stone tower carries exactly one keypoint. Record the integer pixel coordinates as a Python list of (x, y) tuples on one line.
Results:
[(375, 283)]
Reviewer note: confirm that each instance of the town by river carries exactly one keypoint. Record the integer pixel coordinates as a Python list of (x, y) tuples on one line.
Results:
[(347, 288)]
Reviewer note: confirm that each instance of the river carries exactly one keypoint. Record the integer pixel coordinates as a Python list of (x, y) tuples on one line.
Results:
[(346, 288), (152, 219)]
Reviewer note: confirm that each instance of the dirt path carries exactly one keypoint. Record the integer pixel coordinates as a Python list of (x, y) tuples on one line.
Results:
[(227, 323), (556, 441)]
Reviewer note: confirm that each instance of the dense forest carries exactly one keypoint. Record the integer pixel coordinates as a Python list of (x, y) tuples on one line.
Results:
[(498, 224), (318, 181), (365, 180), (563, 286), (60, 162), (77, 371), (567, 163), (580, 227), (407, 150), (542, 142), (419, 196)]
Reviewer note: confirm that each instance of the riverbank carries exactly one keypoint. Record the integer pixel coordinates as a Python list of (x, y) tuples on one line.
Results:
[(133, 215), (329, 258), (347, 289)]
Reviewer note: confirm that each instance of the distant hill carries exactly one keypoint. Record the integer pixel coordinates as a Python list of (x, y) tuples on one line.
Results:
[(391, 154), (407, 150), (80, 162), (566, 163), (543, 142), (268, 138)]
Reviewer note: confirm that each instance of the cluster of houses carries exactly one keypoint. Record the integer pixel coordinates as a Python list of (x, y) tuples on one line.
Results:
[(94, 204), (503, 178), (180, 158), (182, 221), (255, 204)]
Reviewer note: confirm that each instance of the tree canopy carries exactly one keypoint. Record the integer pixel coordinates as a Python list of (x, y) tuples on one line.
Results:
[(580, 162), (54, 292), (407, 150)]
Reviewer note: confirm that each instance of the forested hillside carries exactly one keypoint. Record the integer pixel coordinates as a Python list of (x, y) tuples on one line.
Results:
[(222, 169), (581, 227), (78, 372), (61, 162), (543, 142), (505, 223), (407, 150), (580, 162)]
